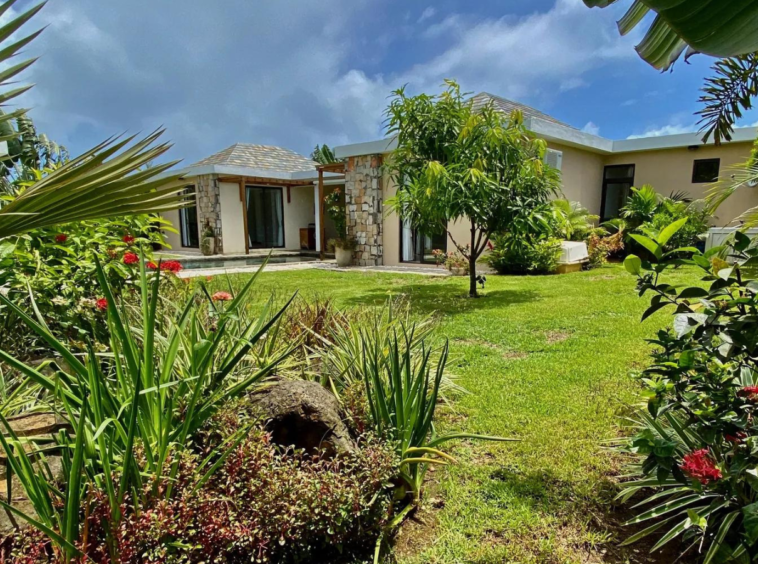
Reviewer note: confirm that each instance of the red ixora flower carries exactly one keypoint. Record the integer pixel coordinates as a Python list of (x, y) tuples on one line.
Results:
[(131, 258), (736, 439), (749, 392), (221, 297), (61, 238), (700, 466), (152, 266), (101, 304), (128, 239), (173, 266)]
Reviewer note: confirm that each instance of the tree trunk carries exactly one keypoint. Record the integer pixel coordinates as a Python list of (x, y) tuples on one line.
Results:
[(472, 293)]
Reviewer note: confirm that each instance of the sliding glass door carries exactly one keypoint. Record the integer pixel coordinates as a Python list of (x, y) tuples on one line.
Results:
[(265, 217), (188, 222), (417, 247), (617, 184)]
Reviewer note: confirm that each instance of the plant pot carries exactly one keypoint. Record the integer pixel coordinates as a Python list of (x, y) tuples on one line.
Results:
[(344, 256), (208, 246)]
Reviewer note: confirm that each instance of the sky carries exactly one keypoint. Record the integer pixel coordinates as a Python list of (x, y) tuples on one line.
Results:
[(295, 73)]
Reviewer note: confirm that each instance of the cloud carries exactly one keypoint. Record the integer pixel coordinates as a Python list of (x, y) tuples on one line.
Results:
[(427, 14), (292, 72), (671, 129), (591, 128)]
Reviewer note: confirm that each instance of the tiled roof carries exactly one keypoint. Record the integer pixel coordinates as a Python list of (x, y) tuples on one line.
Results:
[(507, 106), (265, 157)]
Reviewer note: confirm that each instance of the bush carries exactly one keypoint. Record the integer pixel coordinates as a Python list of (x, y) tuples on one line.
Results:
[(510, 256), (689, 235), (57, 267), (600, 246), (697, 440)]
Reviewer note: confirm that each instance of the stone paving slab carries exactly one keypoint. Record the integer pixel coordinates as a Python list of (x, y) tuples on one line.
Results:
[(322, 265)]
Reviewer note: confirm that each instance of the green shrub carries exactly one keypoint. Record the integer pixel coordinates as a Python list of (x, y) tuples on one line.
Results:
[(571, 221), (512, 256), (670, 211), (697, 441), (57, 267)]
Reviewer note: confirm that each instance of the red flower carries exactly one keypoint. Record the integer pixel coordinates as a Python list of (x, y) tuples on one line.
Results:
[(61, 238), (490, 246), (131, 258), (102, 304), (128, 239), (700, 466), (152, 266), (208, 278), (173, 266), (741, 436), (749, 392), (221, 297)]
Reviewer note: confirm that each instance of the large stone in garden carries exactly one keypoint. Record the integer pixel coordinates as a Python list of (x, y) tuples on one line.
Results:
[(305, 415)]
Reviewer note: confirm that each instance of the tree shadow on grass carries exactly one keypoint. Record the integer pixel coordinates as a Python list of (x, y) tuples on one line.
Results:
[(443, 298)]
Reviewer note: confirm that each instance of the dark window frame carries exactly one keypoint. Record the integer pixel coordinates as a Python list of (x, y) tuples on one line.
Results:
[(280, 189), (697, 162), (415, 235), (187, 244), (619, 180)]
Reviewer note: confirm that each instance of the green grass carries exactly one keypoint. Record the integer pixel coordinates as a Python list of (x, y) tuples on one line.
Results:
[(545, 359)]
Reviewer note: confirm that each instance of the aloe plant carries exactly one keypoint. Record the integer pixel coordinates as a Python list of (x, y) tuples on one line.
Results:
[(154, 389)]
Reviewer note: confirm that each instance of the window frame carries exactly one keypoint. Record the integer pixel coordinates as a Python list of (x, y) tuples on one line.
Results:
[(189, 189), (621, 180), (415, 235), (695, 162)]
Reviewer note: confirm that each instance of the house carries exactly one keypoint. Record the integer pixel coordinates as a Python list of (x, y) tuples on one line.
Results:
[(595, 171), (255, 197), (265, 197)]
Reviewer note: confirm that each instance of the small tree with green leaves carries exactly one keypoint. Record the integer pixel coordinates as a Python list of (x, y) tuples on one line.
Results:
[(453, 163)]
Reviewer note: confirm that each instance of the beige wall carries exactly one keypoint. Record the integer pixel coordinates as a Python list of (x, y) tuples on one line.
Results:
[(297, 214), (232, 223), (581, 176), (173, 239), (671, 171)]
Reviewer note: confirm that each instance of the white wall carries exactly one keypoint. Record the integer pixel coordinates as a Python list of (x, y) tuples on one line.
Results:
[(298, 213)]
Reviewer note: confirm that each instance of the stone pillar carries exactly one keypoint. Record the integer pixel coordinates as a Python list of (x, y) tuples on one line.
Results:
[(363, 205), (209, 207)]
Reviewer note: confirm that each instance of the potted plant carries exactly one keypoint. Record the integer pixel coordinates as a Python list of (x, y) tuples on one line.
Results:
[(342, 244), (208, 240)]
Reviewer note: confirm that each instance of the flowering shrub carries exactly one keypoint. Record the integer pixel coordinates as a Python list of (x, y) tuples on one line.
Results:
[(455, 262), (58, 266), (697, 438), (600, 246)]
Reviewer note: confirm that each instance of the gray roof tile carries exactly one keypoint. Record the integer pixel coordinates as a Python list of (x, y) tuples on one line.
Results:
[(264, 157), (507, 106)]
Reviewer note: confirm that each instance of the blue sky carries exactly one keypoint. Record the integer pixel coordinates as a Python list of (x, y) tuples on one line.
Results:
[(297, 72)]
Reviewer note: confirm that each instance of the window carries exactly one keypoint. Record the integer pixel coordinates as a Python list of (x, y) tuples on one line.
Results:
[(417, 247), (265, 217), (705, 170), (188, 223), (617, 183)]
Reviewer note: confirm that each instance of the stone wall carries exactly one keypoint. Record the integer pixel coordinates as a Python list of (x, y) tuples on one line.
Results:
[(363, 205), (209, 207)]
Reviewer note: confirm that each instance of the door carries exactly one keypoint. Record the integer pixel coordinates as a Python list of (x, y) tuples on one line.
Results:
[(265, 217), (617, 184), (188, 227), (417, 247)]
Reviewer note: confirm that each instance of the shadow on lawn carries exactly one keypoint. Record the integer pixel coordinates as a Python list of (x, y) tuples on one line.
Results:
[(444, 298)]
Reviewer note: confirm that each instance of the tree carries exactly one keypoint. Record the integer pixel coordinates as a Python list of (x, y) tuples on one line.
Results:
[(454, 164), (727, 30), (109, 180), (322, 154)]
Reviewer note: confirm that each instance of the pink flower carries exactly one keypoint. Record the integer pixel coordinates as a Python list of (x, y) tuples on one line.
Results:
[(131, 258), (221, 297), (700, 466), (101, 304), (128, 239), (61, 238)]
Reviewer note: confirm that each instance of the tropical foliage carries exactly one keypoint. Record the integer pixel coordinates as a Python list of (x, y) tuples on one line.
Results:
[(453, 163), (728, 31), (696, 438), (510, 255), (323, 154), (571, 221)]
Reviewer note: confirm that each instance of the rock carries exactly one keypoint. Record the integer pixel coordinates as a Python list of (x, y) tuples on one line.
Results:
[(305, 415)]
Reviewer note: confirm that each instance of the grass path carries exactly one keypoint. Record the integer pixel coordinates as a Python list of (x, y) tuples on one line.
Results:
[(545, 359)]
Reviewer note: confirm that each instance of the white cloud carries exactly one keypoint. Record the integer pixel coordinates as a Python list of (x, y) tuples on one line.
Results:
[(572, 84), (670, 129), (428, 13), (591, 128)]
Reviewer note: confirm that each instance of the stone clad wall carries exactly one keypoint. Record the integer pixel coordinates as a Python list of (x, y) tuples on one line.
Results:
[(363, 205), (209, 207)]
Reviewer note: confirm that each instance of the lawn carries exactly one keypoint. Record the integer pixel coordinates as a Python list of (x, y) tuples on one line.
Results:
[(544, 359)]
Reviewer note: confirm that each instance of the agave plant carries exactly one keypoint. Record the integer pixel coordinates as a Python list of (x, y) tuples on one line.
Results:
[(156, 387)]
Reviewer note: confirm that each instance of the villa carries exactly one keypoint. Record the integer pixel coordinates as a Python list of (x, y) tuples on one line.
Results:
[(261, 197)]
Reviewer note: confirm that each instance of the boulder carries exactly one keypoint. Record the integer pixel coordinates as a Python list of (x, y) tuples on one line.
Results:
[(305, 415)]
